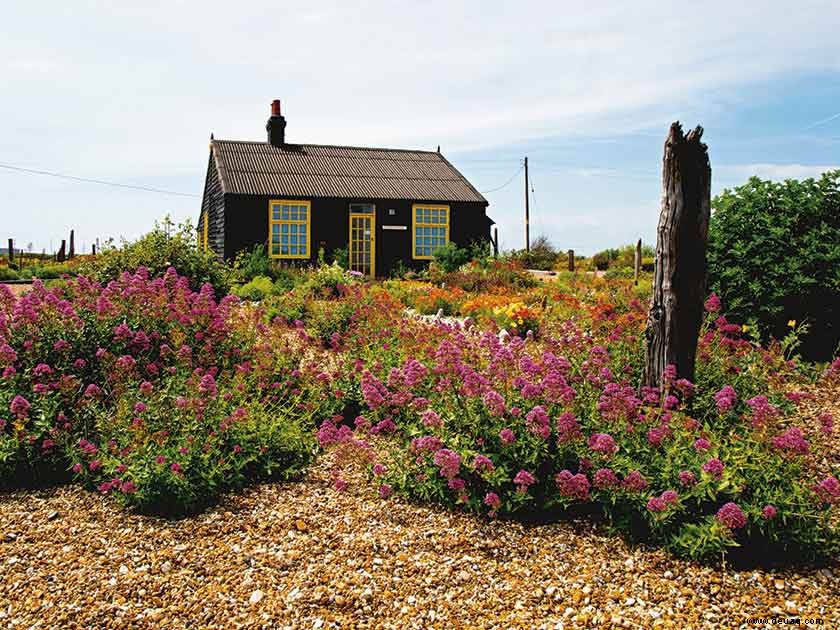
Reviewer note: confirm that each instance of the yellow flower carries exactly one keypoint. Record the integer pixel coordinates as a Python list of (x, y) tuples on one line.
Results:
[(791, 323), (744, 328)]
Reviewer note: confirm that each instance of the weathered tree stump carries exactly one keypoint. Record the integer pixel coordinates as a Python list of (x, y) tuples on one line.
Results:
[(679, 282)]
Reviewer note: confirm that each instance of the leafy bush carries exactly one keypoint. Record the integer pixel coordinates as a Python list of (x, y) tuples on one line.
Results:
[(503, 425), (542, 255), (150, 391), (255, 290), (774, 257), (164, 247), (450, 257)]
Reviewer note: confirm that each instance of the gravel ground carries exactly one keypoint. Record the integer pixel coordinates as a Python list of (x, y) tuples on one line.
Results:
[(303, 555)]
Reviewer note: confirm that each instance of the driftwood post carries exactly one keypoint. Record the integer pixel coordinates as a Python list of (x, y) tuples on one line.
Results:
[(637, 262), (495, 242), (72, 251), (61, 252), (93, 249), (679, 281), (571, 260), (11, 251)]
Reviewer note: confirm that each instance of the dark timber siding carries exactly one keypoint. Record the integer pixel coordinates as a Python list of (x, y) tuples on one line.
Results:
[(212, 205), (245, 221)]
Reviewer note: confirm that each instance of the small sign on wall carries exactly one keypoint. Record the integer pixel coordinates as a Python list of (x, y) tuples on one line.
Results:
[(394, 227)]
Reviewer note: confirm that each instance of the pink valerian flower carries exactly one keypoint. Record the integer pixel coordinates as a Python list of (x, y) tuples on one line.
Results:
[(7, 355), (494, 402), (725, 399), (145, 387), (339, 484), (379, 470), (93, 391), (618, 402), (160, 460), (448, 461), (88, 448), (671, 497), (431, 419), (128, 487), (77, 468), (769, 512), (572, 486), (656, 504), (20, 407), (826, 423), (687, 478), (602, 443), (702, 444), (492, 500), (731, 515), (523, 479), (94, 465), (657, 435), (482, 463), (712, 304), (828, 490), (207, 386), (385, 425), (507, 436), (537, 422), (568, 428), (605, 478), (426, 443), (714, 467), (236, 449), (685, 387), (385, 491), (139, 408), (669, 374), (457, 484), (634, 481), (176, 468), (42, 370), (792, 441), (762, 411)]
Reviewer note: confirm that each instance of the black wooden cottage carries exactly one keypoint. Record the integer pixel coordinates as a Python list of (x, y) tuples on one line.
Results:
[(385, 206)]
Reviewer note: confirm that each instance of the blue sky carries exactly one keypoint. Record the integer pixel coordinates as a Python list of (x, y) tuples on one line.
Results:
[(129, 93)]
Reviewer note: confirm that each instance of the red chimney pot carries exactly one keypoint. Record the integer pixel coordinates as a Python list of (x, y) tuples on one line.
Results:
[(275, 107)]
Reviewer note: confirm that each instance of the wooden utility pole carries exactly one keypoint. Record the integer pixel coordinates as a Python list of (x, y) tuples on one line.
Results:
[(495, 241), (679, 283), (637, 262), (527, 211)]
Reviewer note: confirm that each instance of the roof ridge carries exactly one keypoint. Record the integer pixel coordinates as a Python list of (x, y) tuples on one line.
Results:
[(334, 146)]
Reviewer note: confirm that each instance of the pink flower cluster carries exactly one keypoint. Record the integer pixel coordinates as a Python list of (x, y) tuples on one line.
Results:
[(731, 515)]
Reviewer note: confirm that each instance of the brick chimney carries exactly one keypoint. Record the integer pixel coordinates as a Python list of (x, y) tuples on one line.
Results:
[(276, 126)]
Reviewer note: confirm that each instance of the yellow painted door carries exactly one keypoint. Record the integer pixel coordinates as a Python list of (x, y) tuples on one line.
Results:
[(362, 246)]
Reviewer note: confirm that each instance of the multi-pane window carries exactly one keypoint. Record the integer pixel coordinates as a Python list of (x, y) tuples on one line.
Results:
[(430, 229), (288, 226)]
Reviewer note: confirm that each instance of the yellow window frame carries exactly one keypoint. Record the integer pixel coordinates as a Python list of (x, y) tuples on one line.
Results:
[(370, 216), (422, 223), (307, 223)]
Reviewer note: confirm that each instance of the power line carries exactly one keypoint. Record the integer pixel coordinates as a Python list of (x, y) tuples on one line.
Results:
[(96, 181), (512, 177)]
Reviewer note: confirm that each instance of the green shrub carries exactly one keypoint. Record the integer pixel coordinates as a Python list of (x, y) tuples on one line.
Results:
[(774, 257), (256, 289), (8, 274), (164, 247), (450, 257)]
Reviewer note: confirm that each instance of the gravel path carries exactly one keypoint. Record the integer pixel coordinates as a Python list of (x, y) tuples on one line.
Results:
[(303, 555)]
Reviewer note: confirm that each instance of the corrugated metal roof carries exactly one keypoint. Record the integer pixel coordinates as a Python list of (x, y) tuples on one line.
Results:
[(314, 170)]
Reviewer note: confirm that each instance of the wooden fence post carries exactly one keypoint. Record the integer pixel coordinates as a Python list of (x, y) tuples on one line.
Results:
[(571, 260), (11, 251), (72, 251), (93, 249), (679, 284), (637, 262)]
